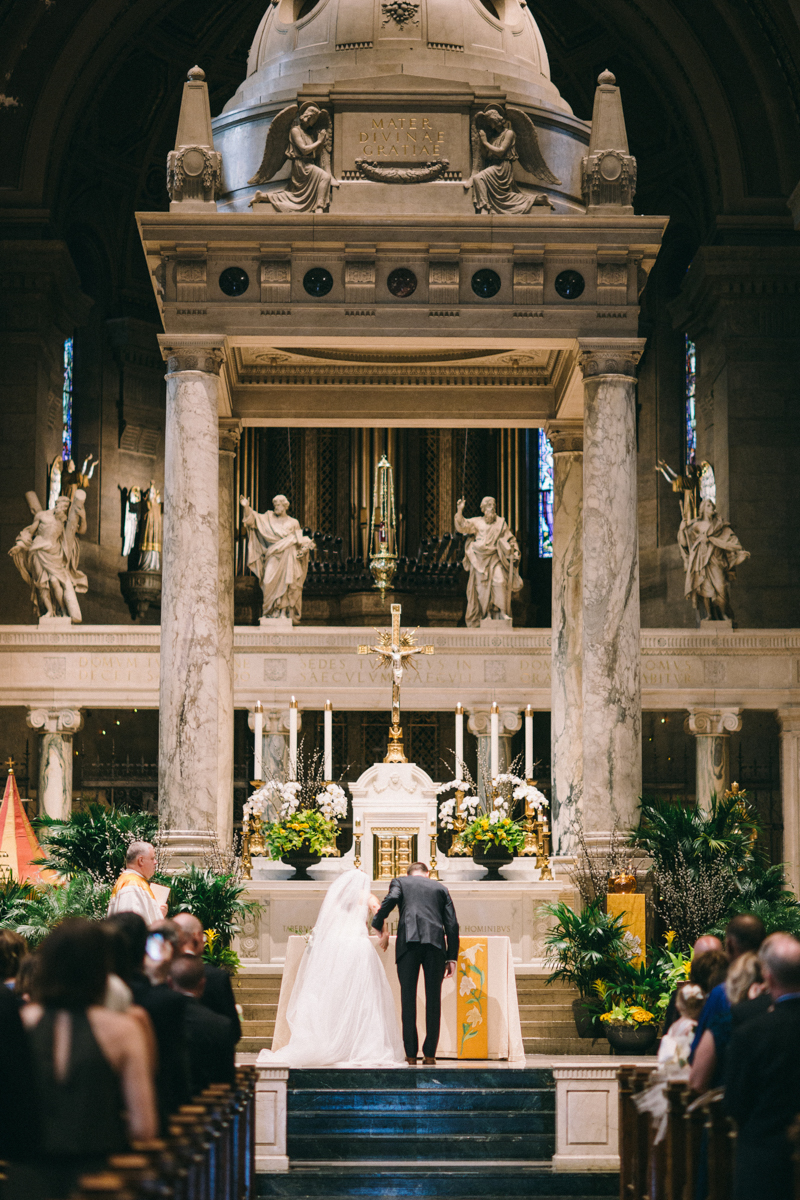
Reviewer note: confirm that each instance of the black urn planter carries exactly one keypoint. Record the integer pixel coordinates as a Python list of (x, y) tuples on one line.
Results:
[(586, 1022), (301, 860), (631, 1039), (485, 854)]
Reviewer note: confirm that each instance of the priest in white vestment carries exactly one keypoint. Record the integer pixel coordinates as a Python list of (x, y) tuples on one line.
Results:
[(277, 553), (132, 891)]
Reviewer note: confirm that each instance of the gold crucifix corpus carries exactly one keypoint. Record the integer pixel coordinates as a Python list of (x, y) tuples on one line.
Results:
[(393, 649)]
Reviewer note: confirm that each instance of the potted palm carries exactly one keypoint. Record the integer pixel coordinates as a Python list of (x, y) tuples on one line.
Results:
[(584, 948)]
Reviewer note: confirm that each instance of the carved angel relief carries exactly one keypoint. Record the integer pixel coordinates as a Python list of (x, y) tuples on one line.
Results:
[(498, 140), (304, 135)]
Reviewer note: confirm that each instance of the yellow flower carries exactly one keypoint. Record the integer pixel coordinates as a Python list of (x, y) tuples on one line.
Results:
[(687, 966), (605, 1016), (210, 935), (669, 938), (641, 1014)]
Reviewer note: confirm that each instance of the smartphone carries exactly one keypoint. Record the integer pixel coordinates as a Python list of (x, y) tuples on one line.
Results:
[(156, 947)]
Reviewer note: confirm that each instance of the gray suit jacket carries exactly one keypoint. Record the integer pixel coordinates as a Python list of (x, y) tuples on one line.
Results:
[(425, 914)]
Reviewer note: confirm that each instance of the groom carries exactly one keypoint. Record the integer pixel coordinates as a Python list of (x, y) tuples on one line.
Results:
[(427, 937)]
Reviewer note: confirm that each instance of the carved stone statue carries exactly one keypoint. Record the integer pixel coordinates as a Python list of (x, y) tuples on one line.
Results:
[(498, 141), (150, 559), (711, 552), (304, 136), (491, 556), (47, 554), (133, 508), (277, 553)]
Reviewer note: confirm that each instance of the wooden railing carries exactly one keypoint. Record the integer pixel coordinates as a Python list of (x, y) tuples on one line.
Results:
[(208, 1152), (699, 1137)]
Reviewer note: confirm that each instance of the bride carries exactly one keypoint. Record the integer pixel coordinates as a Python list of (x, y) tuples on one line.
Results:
[(341, 1012)]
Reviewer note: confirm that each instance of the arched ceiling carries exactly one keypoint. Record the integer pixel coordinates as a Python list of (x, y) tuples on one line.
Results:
[(92, 89)]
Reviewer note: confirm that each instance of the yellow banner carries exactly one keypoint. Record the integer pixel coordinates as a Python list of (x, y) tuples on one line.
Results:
[(630, 907), (472, 998)]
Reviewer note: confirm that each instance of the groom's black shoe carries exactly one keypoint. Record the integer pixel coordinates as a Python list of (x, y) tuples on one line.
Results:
[(429, 1062), (412, 1062)]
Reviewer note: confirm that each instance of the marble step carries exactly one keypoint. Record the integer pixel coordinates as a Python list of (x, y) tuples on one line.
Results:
[(440, 1123), (267, 985), (549, 1028), (574, 1045), (334, 1182), (263, 1010), (459, 1079), (447, 1100), (413, 1146), (258, 1029)]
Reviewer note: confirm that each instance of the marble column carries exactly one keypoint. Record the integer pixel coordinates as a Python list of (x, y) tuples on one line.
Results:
[(789, 720), (712, 729), (566, 723), (479, 724), (188, 765), (229, 434), (611, 683), (57, 726)]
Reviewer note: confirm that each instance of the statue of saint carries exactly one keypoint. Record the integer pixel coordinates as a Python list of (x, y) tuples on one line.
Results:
[(47, 554), (499, 139), (491, 556), (304, 135), (277, 553), (711, 552), (150, 558)]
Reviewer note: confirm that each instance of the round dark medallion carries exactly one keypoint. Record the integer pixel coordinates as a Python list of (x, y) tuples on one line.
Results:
[(234, 281), (486, 283), (402, 282), (570, 285), (318, 281)]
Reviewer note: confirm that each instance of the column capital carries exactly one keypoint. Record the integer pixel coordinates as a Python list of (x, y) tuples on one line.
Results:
[(610, 356), (192, 352), (480, 719), (713, 722), (230, 431), (789, 720), (565, 436), (55, 720)]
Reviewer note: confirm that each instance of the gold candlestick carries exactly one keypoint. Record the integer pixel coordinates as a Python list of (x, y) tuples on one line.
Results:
[(433, 873), (545, 872), (357, 844), (247, 865), (531, 844), (457, 846)]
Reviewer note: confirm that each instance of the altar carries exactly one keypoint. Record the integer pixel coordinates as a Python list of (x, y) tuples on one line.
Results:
[(498, 1008)]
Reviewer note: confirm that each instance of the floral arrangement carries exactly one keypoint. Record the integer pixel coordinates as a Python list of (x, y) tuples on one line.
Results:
[(628, 1014), (529, 794), (494, 830), (288, 814), (332, 801), (307, 826), (447, 807)]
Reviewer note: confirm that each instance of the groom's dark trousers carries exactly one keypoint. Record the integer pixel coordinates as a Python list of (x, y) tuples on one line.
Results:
[(427, 937)]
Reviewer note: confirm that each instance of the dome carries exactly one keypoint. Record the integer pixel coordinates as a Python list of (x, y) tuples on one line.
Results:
[(482, 43)]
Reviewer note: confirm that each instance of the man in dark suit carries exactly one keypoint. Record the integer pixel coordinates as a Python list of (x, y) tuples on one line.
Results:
[(209, 1036), (427, 937), (218, 993), (762, 1082)]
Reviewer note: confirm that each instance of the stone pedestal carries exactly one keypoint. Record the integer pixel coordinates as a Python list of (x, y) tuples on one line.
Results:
[(57, 726), (271, 1119), (479, 723), (789, 719), (229, 433), (190, 646), (611, 684), (712, 728), (566, 737)]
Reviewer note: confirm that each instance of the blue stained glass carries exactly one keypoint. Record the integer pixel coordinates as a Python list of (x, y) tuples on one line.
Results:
[(690, 402), (545, 496), (66, 401)]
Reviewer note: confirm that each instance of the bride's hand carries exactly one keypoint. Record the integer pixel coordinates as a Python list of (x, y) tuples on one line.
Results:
[(373, 904)]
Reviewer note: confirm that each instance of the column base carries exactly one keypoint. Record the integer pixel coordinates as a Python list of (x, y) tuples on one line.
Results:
[(496, 623), (184, 848), (53, 623), (276, 624)]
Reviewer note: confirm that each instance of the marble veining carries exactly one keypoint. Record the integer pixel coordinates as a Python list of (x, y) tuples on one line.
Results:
[(566, 738)]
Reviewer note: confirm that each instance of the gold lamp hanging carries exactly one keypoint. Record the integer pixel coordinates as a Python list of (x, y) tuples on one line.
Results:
[(383, 528)]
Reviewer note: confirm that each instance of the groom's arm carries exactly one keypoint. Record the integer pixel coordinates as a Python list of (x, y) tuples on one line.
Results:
[(393, 897), (450, 922)]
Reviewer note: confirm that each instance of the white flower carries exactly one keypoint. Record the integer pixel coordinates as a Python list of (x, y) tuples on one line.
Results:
[(471, 803), (466, 986), (471, 954), (474, 1017)]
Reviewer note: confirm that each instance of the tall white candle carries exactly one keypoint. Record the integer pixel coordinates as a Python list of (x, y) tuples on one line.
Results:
[(293, 739), (459, 741), (328, 751), (258, 730), (528, 742), (495, 763)]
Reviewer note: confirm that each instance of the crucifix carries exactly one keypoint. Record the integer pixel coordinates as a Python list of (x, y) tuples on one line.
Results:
[(394, 647)]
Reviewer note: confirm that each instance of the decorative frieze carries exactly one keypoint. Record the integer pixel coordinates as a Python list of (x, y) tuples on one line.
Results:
[(276, 281)]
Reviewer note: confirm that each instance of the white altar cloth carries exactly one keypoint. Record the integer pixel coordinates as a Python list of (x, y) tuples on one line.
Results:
[(505, 1031)]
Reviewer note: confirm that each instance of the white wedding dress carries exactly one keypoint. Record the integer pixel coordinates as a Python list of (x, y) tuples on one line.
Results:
[(341, 1012)]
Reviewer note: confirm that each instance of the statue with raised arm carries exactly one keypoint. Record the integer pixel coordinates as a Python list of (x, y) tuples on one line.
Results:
[(499, 139), (277, 553), (491, 556), (711, 553), (304, 135), (47, 554)]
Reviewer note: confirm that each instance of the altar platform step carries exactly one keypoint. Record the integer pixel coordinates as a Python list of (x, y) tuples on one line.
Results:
[(424, 1113), (258, 997), (548, 1026), (332, 1181)]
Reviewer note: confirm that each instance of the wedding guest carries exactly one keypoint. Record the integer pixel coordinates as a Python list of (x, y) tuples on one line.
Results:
[(132, 891), (91, 1067), (742, 933), (708, 969), (762, 1083), (18, 1104), (25, 983), (13, 949), (218, 993), (210, 1036), (708, 941)]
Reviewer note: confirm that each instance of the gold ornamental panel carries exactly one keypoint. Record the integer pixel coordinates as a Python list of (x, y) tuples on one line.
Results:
[(393, 851)]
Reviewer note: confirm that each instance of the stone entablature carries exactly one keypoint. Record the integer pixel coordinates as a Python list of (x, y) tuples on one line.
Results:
[(115, 667)]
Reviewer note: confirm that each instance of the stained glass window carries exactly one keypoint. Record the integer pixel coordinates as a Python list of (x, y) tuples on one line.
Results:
[(545, 496), (690, 396), (66, 401)]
